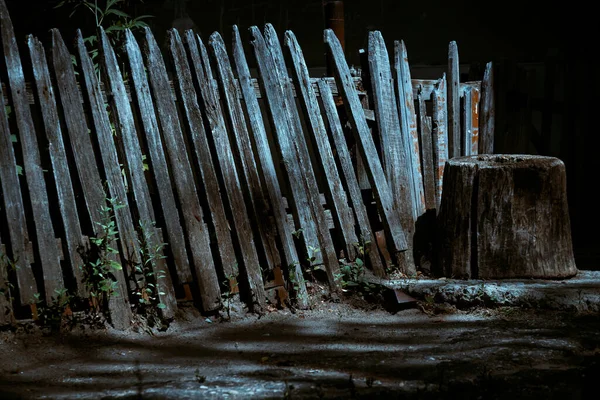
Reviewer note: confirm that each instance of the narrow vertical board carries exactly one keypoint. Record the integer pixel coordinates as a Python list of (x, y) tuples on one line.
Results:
[(366, 233), (160, 169), (454, 138), (268, 168), (49, 250), (243, 146), (392, 146), (474, 111), (467, 121), (389, 215), (120, 310), (335, 194), (173, 135), (60, 165), (487, 112), (327, 250), (125, 126), (426, 154), (22, 254), (408, 124), (233, 191), (440, 136)]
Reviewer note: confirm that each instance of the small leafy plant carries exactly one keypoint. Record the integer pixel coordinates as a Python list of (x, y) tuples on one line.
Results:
[(52, 314), (231, 283)]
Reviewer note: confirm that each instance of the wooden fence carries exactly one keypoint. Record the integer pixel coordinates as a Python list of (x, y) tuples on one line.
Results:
[(247, 181)]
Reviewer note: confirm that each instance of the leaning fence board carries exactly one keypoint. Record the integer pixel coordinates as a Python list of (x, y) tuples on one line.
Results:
[(75, 242), (48, 246), (268, 168), (336, 196), (389, 215), (454, 138), (200, 66), (351, 182), (120, 310), (440, 136), (125, 126), (486, 115), (426, 154), (22, 254), (408, 120), (193, 218), (176, 239), (259, 203)]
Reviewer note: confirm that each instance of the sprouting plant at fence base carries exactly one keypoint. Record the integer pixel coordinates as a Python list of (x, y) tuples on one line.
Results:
[(231, 283), (8, 289), (352, 274), (52, 314)]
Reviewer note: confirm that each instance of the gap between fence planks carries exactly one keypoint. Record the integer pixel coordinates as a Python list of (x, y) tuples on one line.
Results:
[(426, 146)]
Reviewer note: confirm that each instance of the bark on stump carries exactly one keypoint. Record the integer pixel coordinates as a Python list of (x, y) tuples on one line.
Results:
[(505, 216)]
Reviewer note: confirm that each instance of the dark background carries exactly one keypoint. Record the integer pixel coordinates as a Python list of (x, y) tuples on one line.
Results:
[(543, 55)]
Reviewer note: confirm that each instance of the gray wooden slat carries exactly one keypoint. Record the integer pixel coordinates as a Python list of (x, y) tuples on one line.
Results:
[(261, 209), (60, 165), (466, 133), (389, 214), (426, 154), (454, 138), (487, 112), (408, 121), (233, 190), (268, 168), (336, 196), (50, 252), (120, 310), (350, 180), (177, 155), (125, 126), (21, 247), (160, 169), (440, 136)]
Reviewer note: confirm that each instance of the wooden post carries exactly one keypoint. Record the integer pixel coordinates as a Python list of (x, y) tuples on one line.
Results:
[(487, 112), (454, 148)]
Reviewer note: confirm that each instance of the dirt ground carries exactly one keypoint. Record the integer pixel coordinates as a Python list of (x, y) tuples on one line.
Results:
[(346, 349)]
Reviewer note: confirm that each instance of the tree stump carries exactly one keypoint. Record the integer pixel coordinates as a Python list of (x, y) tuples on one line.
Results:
[(505, 216)]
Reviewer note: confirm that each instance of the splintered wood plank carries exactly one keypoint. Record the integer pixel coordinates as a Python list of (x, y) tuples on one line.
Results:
[(233, 190), (21, 247), (350, 180), (440, 136), (426, 154), (120, 310), (173, 134), (327, 249), (75, 241), (261, 141), (487, 112), (125, 126), (408, 121), (261, 209), (389, 215), (454, 138), (145, 105), (48, 246), (336, 196)]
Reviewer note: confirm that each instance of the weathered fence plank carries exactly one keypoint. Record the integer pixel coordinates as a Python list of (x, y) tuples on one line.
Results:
[(125, 126), (268, 167), (260, 206), (48, 246), (440, 136), (75, 241), (176, 239), (335, 194), (487, 114), (408, 120), (389, 214), (193, 217), (426, 154), (22, 254), (367, 237), (120, 310), (466, 122), (454, 138), (200, 65)]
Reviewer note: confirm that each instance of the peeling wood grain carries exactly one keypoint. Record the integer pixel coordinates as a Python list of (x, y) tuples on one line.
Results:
[(487, 112), (440, 136), (265, 158), (50, 253), (426, 145), (454, 138)]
